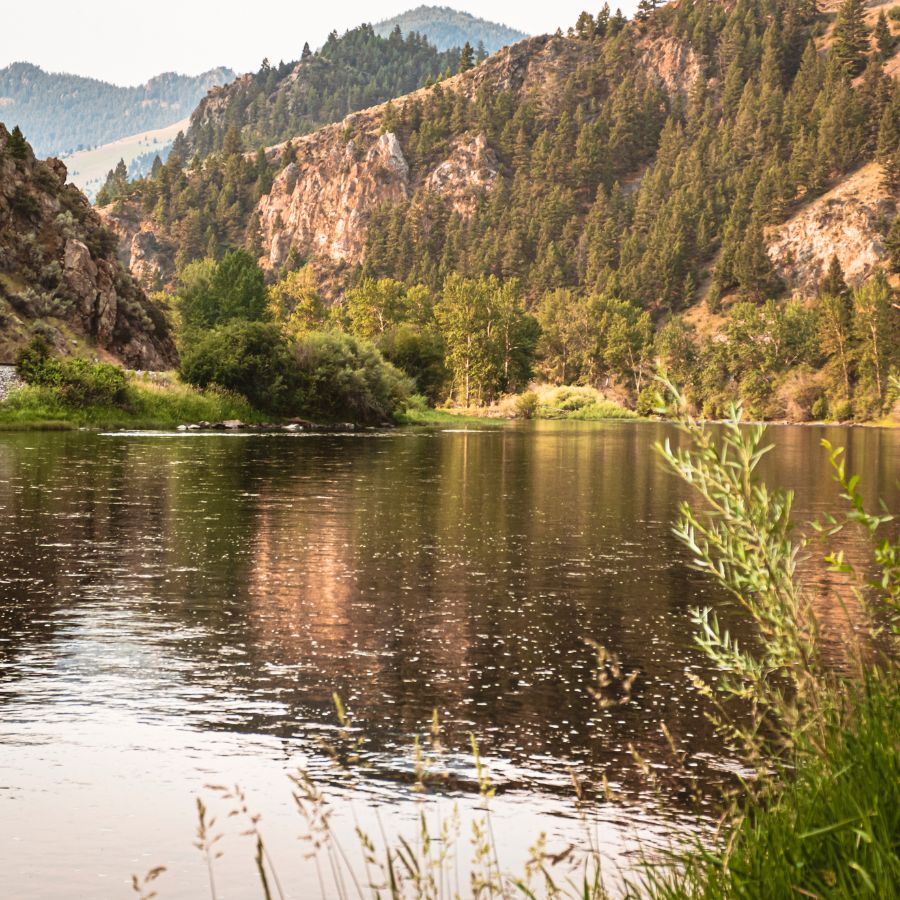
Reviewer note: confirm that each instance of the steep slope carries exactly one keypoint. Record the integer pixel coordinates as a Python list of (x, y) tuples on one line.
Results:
[(447, 28), (88, 169), (330, 184), (350, 72), (630, 158), (59, 275), (846, 222), (62, 113)]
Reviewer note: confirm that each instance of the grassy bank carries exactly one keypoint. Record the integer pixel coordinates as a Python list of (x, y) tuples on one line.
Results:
[(829, 826), (578, 403), (146, 405)]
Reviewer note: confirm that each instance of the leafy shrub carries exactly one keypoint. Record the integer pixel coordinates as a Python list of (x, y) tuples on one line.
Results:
[(583, 403), (340, 376), (251, 358), (527, 405), (602, 409), (842, 411), (77, 382), (648, 401), (420, 354)]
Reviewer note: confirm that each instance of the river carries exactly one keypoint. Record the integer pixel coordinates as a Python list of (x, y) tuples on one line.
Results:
[(178, 610)]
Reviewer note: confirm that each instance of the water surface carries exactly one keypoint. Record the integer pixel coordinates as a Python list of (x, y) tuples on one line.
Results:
[(178, 610)]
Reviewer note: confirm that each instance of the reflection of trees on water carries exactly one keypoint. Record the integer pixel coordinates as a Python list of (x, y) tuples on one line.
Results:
[(458, 571)]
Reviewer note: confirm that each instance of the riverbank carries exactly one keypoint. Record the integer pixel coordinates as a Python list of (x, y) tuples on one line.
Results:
[(157, 401), (147, 404), (164, 403)]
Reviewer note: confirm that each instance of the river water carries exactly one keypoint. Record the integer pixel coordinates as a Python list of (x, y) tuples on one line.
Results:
[(178, 611)]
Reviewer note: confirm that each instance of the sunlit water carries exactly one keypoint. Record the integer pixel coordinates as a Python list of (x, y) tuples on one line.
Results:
[(176, 611)]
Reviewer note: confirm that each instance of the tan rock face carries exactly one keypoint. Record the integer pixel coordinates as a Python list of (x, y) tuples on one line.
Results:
[(469, 171), (320, 202), (142, 250), (673, 62), (844, 222)]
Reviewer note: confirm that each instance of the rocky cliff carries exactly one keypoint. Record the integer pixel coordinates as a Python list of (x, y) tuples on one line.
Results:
[(59, 274), (328, 185), (847, 222)]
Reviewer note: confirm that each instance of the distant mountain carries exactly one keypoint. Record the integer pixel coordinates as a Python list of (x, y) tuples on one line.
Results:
[(62, 114), (447, 28)]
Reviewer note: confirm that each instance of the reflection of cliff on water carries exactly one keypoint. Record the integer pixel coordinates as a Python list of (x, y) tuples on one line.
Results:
[(242, 580)]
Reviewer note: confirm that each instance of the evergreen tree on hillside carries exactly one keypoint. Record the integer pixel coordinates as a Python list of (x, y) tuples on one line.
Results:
[(752, 266), (602, 23), (892, 245), (585, 27), (466, 58), (884, 40), (851, 37), (16, 145), (645, 9)]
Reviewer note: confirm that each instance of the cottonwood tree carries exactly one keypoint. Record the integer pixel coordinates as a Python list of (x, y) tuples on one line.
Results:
[(296, 303), (878, 329), (211, 293), (375, 306), (489, 338)]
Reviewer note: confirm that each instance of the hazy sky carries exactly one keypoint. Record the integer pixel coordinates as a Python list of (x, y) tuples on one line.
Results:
[(128, 42)]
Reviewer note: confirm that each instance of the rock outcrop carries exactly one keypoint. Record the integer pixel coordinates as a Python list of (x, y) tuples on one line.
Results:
[(59, 274), (320, 202), (846, 222), (469, 171)]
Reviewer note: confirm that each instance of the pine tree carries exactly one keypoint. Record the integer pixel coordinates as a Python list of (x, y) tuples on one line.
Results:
[(752, 266), (884, 40), (602, 24), (892, 245), (645, 8), (585, 27), (466, 58), (16, 145), (833, 282), (851, 37)]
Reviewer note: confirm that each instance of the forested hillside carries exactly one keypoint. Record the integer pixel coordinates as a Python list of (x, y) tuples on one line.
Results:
[(448, 28), (350, 72), (632, 191), (62, 113)]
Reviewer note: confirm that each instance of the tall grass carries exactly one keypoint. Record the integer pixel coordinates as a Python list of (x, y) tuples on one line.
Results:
[(146, 405), (822, 816), (828, 826)]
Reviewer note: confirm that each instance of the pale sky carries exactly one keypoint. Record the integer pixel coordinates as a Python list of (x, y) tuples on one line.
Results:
[(129, 42)]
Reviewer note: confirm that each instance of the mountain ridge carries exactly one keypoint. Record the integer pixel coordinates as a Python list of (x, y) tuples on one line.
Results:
[(448, 28), (62, 113)]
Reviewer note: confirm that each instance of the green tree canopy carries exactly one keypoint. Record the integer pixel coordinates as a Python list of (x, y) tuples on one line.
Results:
[(211, 294)]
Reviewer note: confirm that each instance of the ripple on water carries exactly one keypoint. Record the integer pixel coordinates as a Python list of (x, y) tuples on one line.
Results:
[(175, 613)]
